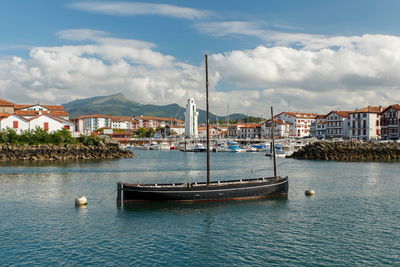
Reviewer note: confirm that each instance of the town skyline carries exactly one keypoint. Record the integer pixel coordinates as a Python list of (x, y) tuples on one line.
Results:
[(328, 56)]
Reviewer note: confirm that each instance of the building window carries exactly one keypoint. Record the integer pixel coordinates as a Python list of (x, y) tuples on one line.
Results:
[(66, 127), (46, 126), (15, 124)]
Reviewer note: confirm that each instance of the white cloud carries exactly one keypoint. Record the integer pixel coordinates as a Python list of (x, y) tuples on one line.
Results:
[(138, 8), (361, 71)]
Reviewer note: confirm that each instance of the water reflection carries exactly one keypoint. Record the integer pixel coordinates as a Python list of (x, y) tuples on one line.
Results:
[(200, 207)]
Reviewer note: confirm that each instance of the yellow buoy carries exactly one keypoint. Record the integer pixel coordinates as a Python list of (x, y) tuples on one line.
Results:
[(309, 192), (81, 200)]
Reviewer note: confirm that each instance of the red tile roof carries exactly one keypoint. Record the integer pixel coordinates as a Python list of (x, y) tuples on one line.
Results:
[(369, 109), (120, 118), (62, 113), (49, 107), (92, 116), (343, 114), (6, 103), (394, 106), (302, 115), (251, 126)]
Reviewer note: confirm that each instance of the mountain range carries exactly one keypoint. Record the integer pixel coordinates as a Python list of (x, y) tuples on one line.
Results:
[(119, 105)]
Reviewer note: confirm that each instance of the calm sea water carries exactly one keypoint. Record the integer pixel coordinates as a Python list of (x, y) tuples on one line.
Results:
[(353, 220)]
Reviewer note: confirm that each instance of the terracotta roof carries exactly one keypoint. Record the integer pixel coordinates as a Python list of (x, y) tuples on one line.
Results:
[(120, 118), (251, 126), (343, 114), (51, 116), (50, 107), (6, 103), (59, 113), (6, 115), (370, 109), (395, 106), (92, 116), (302, 115), (35, 113), (321, 122)]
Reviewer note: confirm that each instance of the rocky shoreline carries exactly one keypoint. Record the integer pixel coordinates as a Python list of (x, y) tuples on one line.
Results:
[(348, 151), (10, 152)]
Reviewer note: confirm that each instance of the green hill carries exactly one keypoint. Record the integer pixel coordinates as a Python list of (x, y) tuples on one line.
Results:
[(119, 105)]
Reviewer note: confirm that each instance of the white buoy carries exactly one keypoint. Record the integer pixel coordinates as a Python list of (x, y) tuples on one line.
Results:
[(309, 192), (81, 200)]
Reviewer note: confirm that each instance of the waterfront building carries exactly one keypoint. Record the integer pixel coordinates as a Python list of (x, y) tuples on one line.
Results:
[(30, 111), (50, 123), (233, 129), (318, 127), (45, 121), (87, 124), (191, 119), (121, 122), (365, 124), (215, 131), (282, 129), (300, 122), (13, 121), (249, 131), (390, 122), (337, 124)]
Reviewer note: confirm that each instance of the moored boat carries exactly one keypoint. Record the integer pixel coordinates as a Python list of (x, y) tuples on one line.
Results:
[(206, 191)]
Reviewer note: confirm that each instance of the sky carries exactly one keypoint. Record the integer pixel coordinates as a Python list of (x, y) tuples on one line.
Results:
[(294, 55)]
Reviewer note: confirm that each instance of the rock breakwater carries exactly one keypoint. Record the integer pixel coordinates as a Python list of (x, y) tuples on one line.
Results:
[(348, 151), (10, 152)]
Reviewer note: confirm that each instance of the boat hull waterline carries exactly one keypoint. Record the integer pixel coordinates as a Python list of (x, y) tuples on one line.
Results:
[(216, 191)]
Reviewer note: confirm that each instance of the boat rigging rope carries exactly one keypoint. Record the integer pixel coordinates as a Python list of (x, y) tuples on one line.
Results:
[(99, 202), (150, 165), (248, 161), (189, 172)]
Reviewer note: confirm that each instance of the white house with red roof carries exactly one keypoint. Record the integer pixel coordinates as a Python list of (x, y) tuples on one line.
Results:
[(300, 122), (50, 123), (338, 124), (28, 117), (282, 129), (13, 121), (249, 131), (365, 123), (30, 111), (390, 122)]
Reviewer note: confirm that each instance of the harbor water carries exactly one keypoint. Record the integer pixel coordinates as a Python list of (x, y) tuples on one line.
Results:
[(353, 220)]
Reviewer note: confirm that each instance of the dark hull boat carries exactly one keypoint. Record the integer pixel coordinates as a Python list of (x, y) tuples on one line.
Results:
[(215, 191), (207, 191)]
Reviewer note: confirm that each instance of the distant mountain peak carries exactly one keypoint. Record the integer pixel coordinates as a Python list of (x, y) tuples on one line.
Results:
[(119, 105)]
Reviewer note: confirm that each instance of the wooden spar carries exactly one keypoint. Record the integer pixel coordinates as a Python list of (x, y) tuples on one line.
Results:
[(273, 139), (207, 126)]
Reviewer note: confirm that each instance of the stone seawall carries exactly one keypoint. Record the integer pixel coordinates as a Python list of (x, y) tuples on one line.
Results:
[(348, 151), (61, 152)]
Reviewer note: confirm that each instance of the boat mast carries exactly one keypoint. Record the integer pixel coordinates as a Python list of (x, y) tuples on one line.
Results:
[(207, 125), (273, 139)]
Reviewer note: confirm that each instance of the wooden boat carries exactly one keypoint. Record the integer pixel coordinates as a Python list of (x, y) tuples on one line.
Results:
[(206, 191)]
